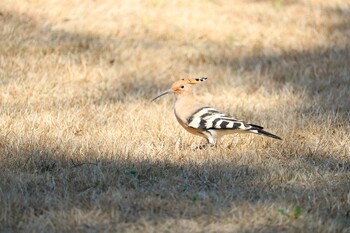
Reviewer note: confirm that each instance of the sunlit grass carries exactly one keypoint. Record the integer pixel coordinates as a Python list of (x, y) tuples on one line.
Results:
[(83, 149)]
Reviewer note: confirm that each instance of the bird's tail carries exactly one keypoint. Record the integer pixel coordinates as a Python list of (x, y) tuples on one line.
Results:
[(260, 131)]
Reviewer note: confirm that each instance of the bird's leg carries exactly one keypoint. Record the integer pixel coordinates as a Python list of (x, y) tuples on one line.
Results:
[(210, 143)]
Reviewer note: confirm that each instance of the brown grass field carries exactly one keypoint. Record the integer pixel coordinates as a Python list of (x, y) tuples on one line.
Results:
[(82, 149)]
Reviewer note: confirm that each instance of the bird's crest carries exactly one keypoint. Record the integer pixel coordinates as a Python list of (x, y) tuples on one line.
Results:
[(182, 86), (186, 83), (196, 80)]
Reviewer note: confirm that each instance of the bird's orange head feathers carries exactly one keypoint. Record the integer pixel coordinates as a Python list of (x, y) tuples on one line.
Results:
[(182, 86), (185, 84)]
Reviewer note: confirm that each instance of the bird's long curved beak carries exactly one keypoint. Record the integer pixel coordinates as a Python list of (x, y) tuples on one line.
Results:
[(161, 94)]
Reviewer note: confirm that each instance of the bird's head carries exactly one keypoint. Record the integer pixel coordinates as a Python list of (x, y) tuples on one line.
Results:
[(182, 86)]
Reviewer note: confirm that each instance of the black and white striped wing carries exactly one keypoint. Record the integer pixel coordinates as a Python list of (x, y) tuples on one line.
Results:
[(209, 118)]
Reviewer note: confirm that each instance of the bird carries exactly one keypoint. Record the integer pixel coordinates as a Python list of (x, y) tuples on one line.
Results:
[(201, 120)]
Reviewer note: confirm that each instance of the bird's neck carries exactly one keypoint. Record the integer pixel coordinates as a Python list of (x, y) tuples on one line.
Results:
[(184, 95), (185, 105)]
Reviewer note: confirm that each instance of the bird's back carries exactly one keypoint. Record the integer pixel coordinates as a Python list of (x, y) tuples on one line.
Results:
[(218, 124)]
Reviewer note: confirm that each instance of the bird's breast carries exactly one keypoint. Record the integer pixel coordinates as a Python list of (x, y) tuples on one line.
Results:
[(184, 124)]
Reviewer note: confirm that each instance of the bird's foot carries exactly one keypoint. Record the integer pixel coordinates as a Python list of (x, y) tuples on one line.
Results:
[(205, 146)]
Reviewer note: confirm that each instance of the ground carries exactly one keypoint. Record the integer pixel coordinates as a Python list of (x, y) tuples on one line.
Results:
[(82, 148)]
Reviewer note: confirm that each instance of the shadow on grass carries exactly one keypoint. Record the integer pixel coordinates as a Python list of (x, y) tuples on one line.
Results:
[(41, 184), (318, 71)]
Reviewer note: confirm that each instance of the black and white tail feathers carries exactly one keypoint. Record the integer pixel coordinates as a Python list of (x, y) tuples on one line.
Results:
[(259, 130)]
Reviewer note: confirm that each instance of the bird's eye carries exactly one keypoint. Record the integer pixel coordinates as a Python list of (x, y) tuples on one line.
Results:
[(182, 87)]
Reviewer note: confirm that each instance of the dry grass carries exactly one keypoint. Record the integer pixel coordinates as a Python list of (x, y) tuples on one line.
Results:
[(83, 149)]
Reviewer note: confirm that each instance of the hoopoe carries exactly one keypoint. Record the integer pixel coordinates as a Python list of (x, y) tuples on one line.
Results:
[(204, 121)]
